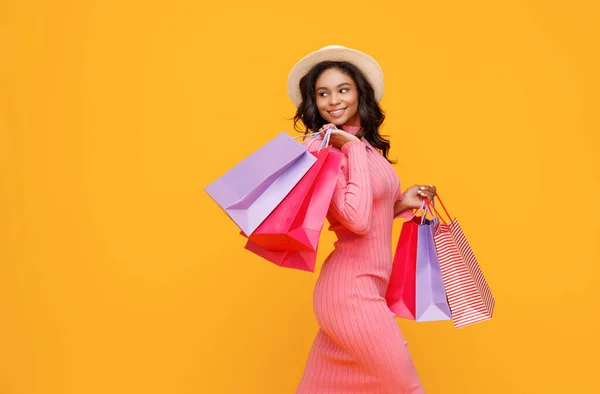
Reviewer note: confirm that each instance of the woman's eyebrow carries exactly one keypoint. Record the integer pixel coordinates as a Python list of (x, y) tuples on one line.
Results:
[(339, 86)]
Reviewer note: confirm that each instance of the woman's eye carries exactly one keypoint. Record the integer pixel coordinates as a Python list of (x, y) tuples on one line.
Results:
[(343, 90)]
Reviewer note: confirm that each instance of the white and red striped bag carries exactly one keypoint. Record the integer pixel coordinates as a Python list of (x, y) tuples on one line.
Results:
[(469, 295)]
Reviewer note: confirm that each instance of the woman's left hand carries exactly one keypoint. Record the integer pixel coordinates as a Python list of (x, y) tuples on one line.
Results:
[(338, 138), (414, 195)]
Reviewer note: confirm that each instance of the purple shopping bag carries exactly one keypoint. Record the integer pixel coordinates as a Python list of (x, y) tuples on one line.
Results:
[(252, 189), (431, 301)]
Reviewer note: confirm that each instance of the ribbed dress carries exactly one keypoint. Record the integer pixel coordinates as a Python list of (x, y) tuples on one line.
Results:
[(359, 347)]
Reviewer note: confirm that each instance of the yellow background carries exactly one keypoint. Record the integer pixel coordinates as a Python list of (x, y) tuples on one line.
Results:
[(118, 274)]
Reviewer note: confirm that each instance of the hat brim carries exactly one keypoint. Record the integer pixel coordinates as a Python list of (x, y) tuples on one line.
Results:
[(365, 63)]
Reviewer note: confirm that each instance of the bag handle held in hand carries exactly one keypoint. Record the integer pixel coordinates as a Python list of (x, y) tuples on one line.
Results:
[(430, 205), (314, 136)]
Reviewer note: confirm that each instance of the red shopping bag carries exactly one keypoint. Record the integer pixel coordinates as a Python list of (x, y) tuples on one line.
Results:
[(400, 295), (468, 293), (304, 261), (295, 226)]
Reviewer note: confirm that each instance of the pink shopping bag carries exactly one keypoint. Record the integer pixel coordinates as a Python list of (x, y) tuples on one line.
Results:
[(296, 224)]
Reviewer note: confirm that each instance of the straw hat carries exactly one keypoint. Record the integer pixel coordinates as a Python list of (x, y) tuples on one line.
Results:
[(365, 63)]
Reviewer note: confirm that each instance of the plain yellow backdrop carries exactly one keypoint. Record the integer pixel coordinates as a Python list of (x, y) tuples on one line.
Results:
[(118, 274)]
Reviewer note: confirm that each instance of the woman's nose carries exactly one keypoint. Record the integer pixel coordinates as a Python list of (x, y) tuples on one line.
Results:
[(334, 100)]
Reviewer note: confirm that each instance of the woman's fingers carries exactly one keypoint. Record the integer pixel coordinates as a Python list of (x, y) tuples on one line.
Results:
[(427, 191), (326, 126)]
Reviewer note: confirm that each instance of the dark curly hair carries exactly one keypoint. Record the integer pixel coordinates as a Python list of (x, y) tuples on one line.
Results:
[(370, 113)]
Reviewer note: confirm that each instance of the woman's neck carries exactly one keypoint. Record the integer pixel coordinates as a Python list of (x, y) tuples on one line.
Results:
[(351, 129)]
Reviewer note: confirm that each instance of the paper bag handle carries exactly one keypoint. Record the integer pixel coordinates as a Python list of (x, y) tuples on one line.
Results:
[(432, 206)]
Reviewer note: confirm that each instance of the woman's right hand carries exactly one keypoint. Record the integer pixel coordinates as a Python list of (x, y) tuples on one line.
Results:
[(338, 138)]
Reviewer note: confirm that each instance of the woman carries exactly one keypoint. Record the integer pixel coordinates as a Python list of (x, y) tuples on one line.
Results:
[(359, 347)]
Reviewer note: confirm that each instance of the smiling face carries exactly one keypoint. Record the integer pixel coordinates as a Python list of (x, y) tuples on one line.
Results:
[(337, 98)]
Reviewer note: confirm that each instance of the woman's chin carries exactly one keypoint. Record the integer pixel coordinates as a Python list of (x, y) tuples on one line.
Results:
[(337, 121)]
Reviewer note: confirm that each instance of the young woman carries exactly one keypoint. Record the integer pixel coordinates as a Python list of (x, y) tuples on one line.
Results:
[(359, 347)]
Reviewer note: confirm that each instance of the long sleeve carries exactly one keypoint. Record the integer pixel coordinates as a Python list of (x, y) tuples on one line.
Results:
[(352, 200)]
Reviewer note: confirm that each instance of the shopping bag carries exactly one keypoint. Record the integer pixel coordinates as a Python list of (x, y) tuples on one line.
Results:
[(253, 188), (469, 296), (304, 261), (296, 223), (400, 294), (308, 221), (431, 302)]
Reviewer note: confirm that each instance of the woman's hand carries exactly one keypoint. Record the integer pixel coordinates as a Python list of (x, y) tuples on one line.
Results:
[(338, 138), (413, 196)]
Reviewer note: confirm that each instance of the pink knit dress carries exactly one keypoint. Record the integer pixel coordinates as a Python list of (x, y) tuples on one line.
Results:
[(359, 347)]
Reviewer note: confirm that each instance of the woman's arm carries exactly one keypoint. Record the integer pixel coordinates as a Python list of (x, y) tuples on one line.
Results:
[(401, 209), (352, 200)]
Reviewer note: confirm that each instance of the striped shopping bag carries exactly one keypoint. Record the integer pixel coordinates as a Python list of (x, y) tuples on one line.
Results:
[(469, 295)]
